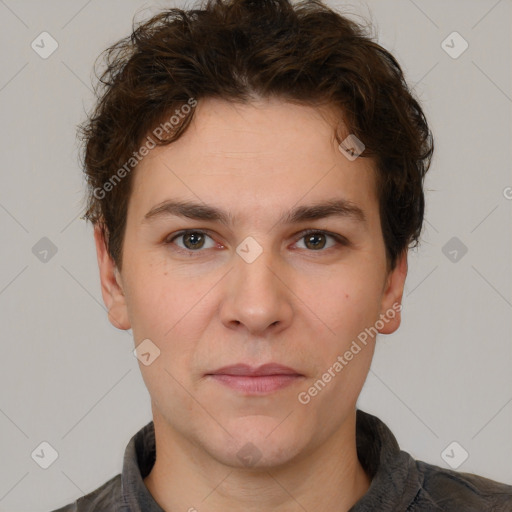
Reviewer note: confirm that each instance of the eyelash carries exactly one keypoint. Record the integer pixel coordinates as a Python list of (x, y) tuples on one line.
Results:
[(340, 240)]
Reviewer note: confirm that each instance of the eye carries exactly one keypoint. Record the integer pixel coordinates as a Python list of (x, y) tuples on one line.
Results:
[(316, 240), (193, 240)]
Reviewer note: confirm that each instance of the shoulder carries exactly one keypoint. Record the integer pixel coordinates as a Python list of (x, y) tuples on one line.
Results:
[(106, 497), (447, 490)]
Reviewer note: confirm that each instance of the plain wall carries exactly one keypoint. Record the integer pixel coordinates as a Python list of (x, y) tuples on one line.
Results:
[(69, 378)]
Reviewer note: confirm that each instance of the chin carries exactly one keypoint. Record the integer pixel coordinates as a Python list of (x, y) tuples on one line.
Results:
[(257, 450)]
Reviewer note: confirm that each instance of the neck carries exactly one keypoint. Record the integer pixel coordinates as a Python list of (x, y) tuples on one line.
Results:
[(184, 477)]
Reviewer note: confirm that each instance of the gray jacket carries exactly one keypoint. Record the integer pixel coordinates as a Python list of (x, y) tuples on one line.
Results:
[(399, 483)]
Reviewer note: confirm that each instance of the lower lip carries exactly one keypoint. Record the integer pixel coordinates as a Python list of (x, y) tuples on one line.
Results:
[(257, 384)]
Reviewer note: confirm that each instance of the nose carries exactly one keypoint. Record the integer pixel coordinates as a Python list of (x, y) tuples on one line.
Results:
[(256, 296)]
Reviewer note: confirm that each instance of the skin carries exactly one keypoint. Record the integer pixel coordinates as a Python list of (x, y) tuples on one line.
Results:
[(296, 305)]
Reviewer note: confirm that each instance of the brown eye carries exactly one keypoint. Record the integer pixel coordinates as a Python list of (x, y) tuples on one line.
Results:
[(315, 241), (192, 241)]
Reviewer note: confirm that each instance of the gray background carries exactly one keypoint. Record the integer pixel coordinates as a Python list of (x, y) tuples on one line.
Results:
[(69, 378)]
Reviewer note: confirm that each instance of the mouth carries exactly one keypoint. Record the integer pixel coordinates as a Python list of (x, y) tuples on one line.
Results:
[(256, 380)]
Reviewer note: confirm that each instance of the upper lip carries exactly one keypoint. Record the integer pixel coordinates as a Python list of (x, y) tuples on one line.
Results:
[(265, 369)]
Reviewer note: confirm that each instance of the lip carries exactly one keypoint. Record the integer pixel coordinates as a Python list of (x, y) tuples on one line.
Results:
[(246, 370), (256, 380)]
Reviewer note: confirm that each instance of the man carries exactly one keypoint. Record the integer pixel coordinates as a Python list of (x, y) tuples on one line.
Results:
[(255, 174)]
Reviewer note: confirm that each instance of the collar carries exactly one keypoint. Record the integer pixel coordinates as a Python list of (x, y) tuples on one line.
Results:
[(395, 479)]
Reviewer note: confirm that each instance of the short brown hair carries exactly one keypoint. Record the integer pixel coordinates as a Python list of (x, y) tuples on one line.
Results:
[(237, 50)]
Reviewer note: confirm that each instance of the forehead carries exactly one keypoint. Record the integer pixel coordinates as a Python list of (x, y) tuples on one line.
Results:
[(258, 157)]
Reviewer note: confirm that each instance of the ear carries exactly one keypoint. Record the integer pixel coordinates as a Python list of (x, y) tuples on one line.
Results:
[(391, 304), (111, 284)]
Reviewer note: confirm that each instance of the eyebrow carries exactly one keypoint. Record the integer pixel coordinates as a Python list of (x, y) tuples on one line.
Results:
[(200, 211)]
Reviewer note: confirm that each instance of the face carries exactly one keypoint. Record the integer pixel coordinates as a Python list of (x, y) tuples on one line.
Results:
[(241, 281)]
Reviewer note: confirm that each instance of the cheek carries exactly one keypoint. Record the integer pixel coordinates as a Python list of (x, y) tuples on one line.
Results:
[(164, 310), (342, 351), (346, 304), (172, 311), (158, 300)]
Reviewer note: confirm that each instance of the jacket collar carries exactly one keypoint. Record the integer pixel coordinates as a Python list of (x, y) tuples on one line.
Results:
[(395, 479)]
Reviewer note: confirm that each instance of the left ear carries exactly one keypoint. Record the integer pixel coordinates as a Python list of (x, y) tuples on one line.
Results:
[(391, 304)]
